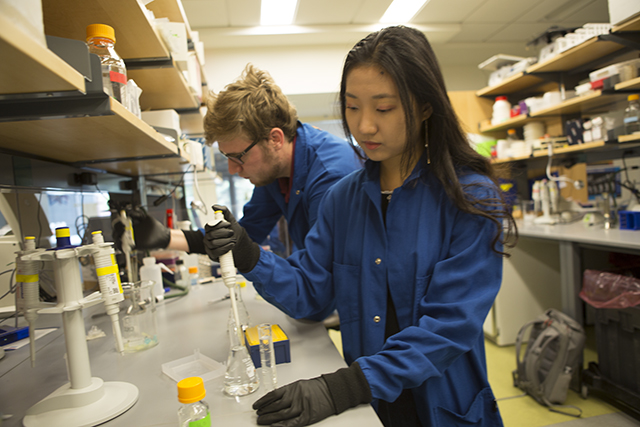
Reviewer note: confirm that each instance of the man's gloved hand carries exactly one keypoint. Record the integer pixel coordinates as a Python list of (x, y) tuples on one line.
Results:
[(148, 232), (229, 235), (301, 403)]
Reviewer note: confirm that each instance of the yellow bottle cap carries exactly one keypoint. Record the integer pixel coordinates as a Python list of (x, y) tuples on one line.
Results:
[(63, 232), (29, 238), (101, 30), (191, 390), (633, 97), (193, 270)]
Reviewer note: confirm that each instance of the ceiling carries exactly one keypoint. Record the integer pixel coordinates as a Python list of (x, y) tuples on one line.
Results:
[(463, 33), (235, 23)]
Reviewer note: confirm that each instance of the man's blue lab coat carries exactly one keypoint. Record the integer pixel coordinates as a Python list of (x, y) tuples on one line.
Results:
[(320, 160), (443, 277)]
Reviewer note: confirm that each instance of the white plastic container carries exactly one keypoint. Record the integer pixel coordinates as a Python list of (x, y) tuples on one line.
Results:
[(152, 271), (501, 110)]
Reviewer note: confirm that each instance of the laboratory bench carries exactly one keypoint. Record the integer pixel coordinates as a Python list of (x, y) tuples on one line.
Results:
[(187, 323), (571, 238)]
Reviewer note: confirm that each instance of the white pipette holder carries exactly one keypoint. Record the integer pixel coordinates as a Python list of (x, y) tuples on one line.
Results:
[(85, 400)]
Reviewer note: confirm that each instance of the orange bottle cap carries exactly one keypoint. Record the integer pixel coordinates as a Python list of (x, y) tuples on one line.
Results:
[(101, 30), (191, 390)]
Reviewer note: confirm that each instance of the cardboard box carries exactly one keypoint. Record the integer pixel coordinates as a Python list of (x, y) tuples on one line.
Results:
[(280, 345)]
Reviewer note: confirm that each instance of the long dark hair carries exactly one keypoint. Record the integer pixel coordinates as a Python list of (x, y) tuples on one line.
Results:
[(406, 55)]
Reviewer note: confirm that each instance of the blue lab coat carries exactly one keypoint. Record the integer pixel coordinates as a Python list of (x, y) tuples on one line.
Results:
[(443, 277), (320, 160)]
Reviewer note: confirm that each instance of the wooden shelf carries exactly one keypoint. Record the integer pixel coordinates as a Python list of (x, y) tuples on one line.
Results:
[(512, 84), (629, 138), (135, 37), (174, 165), (632, 24), (508, 124), (558, 151), (633, 84), (29, 67), (580, 104), (576, 56), (163, 88), (81, 139)]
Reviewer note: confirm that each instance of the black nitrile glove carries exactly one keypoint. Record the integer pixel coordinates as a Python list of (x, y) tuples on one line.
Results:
[(228, 236), (298, 404), (148, 232)]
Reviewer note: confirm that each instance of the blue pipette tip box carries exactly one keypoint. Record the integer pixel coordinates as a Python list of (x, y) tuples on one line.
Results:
[(280, 345), (9, 334)]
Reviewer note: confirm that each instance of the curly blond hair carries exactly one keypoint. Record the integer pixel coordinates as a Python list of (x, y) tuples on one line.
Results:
[(252, 105)]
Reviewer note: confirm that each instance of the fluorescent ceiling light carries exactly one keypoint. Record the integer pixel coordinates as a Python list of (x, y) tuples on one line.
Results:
[(277, 12), (401, 10)]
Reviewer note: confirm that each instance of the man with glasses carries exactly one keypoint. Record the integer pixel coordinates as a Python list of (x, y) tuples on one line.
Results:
[(291, 164)]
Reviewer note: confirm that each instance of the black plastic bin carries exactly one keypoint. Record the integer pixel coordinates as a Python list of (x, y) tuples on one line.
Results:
[(616, 376)]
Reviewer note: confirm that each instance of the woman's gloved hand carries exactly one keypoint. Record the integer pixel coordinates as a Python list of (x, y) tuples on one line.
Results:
[(227, 236), (148, 232), (301, 403)]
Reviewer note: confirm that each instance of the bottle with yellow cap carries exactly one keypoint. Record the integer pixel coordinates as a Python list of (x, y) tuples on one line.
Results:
[(101, 40), (194, 412)]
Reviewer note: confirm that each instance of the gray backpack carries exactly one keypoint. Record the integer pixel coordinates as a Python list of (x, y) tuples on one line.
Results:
[(553, 354)]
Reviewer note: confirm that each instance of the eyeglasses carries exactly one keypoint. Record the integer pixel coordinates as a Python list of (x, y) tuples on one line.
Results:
[(237, 157)]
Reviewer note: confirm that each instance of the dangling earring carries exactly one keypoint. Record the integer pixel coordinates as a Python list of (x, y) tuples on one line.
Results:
[(426, 144)]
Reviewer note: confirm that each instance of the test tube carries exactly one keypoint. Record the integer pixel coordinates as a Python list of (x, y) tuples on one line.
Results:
[(267, 357)]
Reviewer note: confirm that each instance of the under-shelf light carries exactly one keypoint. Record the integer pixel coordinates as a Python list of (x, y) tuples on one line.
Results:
[(401, 10), (278, 12)]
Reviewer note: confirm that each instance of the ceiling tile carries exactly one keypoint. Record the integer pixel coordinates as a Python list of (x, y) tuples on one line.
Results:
[(370, 11), (499, 11), (313, 12), (519, 32), (244, 13), (475, 33), (440, 11), (206, 13)]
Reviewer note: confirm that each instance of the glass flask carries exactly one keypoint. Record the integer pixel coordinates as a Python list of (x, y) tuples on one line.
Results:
[(138, 316), (240, 378), (245, 321)]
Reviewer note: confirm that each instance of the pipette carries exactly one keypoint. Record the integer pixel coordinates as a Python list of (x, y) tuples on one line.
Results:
[(228, 272), (27, 292), (128, 243)]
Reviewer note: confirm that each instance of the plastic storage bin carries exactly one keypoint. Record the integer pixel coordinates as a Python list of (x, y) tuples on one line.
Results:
[(618, 341), (629, 220)]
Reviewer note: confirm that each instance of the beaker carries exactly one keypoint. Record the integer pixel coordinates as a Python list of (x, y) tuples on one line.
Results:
[(240, 377), (138, 316)]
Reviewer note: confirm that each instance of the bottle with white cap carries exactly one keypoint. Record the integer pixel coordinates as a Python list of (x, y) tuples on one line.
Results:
[(150, 270)]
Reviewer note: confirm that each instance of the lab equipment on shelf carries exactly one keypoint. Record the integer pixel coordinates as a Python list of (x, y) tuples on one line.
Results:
[(632, 115), (84, 400), (194, 411), (501, 110)]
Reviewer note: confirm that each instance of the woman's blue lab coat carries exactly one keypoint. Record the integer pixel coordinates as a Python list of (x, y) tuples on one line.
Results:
[(443, 277), (320, 160)]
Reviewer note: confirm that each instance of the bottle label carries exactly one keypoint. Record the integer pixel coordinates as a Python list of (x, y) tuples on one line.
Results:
[(205, 422), (630, 119), (111, 277), (116, 77)]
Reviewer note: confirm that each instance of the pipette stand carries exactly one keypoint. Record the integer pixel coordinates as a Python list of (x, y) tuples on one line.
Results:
[(85, 400)]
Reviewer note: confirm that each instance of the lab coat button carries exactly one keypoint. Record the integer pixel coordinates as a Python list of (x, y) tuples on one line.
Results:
[(378, 261), (297, 192), (376, 319)]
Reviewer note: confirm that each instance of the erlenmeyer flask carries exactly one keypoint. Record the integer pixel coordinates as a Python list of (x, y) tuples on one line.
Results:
[(240, 378)]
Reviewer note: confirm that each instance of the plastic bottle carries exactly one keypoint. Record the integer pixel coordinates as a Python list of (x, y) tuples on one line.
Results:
[(169, 218), (150, 270), (193, 275), (193, 411), (181, 276), (632, 115), (501, 110), (101, 40)]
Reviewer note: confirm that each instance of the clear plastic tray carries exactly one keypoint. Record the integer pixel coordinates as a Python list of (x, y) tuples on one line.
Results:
[(195, 365)]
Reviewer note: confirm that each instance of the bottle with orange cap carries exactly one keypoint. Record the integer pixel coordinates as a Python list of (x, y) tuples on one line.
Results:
[(194, 412), (101, 40)]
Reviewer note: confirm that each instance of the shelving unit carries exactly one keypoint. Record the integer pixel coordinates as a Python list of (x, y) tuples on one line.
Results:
[(576, 58), (116, 140)]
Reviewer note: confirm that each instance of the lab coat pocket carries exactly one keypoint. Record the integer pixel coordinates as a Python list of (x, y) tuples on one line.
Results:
[(346, 281), (483, 412)]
